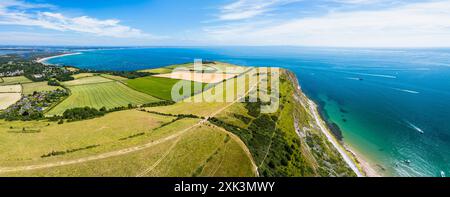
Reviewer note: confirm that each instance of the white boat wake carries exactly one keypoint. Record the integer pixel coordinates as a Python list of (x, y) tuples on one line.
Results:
[(407, 91), (411, 125), (354, 78), (373, 75)]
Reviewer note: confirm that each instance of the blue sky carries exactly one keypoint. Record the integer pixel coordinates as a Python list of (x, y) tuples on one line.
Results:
[(346, 23)]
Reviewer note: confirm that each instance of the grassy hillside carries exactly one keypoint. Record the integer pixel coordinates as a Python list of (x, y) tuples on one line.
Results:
[(285, 143), (218, 138), (98, 95), (28, 141), (156, 86), (128, 143)]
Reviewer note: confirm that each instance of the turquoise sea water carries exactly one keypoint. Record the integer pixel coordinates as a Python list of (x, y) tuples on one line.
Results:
[(392, 105)]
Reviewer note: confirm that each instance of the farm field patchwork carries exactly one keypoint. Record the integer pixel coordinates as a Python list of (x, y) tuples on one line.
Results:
[(214, 136), (197, 76), (155, 86), (184, 148), (216, 67), (109, 95), (211, 101)]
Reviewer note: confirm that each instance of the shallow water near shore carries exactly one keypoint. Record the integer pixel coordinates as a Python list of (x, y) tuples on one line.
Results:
[(392, 105)]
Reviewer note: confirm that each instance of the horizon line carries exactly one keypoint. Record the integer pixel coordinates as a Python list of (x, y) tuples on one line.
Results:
[(212, 46)]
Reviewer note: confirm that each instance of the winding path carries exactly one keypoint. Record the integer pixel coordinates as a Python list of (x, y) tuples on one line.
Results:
[(123, 151)]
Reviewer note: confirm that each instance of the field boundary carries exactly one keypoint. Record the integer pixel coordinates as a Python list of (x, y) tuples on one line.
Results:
[(123, 151)]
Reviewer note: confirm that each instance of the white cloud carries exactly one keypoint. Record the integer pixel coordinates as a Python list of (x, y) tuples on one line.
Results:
[(15, 12), (245, 9), (23, 5), (61, 38), (413, 25), (358, 1)]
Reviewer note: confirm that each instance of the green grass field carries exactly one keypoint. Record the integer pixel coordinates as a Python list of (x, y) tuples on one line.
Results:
[(207, 108), (41, 137), (109, 95), (157, 70), (133, 143), (201, 153), (156, 86), (83, 75), (182, 148), (86, 80), (29, 88), (166, 69), (14, 80), (212, 67), (292, 146), (113, 77)]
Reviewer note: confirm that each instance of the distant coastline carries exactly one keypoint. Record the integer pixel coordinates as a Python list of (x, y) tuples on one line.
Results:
[(370, 126), (44, 60)]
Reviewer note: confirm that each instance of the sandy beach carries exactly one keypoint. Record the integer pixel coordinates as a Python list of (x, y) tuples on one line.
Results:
[(43, 60), (366, 166), (344, 153), (359, 164)]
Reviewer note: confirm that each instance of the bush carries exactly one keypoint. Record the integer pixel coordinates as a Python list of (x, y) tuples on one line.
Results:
[(82, 113), (157, 104), (64, 77)]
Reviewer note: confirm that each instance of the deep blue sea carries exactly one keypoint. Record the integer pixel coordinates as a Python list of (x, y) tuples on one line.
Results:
[(392, 105)]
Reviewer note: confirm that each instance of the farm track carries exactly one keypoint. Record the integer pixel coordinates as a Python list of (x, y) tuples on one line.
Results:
[(243, 146), (135, 148), (221, 161), (148, 170)]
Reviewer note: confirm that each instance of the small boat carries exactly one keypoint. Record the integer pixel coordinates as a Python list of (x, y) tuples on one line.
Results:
[(442, 174), (407, 161)]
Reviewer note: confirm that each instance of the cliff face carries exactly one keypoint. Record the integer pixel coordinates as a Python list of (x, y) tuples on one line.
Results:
[(321, 156), (287, 142)]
